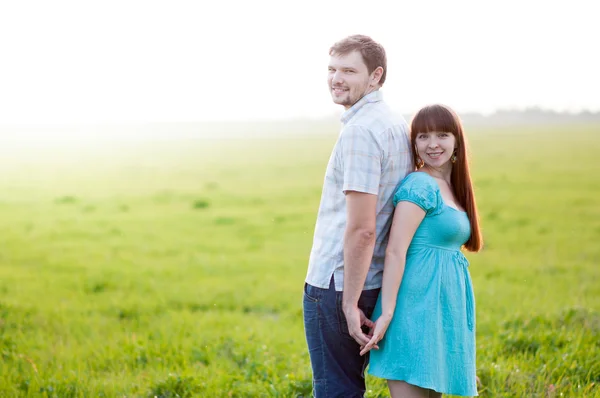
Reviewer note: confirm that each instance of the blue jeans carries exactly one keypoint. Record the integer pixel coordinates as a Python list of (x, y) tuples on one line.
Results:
[(338, 369)]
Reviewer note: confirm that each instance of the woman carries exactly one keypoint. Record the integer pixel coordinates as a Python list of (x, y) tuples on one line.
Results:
[(426, 303)]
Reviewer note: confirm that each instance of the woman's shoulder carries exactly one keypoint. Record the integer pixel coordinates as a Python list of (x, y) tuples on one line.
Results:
[(418, 179), (420, 188)]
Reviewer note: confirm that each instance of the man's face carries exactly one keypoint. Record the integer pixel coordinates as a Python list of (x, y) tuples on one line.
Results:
[(348, 79)]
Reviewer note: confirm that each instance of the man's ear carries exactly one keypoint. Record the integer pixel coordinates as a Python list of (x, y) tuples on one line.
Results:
[(376, 75)]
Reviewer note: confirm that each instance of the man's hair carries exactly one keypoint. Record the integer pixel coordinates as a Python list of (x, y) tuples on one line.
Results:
[(373, 53)]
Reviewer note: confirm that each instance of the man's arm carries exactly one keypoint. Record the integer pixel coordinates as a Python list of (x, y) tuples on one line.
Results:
[(359, 242)]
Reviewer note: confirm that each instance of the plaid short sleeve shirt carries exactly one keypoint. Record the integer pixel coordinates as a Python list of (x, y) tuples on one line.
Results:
[(372, 155)]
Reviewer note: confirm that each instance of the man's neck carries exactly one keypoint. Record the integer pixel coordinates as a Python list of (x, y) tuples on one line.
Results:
[(369, 91)]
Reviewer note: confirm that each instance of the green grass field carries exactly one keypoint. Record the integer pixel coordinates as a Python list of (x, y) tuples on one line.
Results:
[(175, 268)]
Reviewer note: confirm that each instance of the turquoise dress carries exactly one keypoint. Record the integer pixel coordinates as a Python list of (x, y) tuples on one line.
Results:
[(430, 341)]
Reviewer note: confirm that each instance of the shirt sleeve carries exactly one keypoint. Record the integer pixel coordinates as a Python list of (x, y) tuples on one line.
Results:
[(361, 156), (419, 189)]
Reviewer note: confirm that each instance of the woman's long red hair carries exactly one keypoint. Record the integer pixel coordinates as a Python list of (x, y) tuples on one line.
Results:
[(440, 118)]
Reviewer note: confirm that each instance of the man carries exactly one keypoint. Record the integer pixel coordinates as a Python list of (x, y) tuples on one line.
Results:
[(371, 157)]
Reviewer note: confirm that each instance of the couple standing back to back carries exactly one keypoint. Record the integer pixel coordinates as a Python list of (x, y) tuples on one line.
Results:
[(387, 282)]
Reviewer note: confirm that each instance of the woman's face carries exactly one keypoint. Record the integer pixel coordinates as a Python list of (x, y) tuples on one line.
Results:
[(435, 148)]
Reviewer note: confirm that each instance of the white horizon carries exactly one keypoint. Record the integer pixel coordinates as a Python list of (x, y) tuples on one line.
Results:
[(115, 62)]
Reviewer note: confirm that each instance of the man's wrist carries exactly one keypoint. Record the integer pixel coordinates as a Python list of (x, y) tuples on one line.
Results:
[(348, 306)]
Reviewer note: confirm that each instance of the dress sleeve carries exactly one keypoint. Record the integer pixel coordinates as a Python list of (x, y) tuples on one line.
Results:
[(420, 189)]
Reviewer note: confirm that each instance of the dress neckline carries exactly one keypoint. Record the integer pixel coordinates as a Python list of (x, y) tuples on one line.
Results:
[(440, 192)]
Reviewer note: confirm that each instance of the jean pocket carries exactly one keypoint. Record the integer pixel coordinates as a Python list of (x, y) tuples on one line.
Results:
[(311, 293)]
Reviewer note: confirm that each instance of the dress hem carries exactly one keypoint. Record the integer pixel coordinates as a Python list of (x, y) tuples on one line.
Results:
[(423, 385)]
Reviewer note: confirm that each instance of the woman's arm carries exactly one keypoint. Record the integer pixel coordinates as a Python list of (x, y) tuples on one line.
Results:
[(407, 218)]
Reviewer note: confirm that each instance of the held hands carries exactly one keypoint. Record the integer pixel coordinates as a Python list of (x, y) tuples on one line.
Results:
[(356, 319), (378, 331)]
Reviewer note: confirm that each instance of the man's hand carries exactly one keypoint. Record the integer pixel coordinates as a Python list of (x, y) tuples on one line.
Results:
[(356, 319), (381, 325)]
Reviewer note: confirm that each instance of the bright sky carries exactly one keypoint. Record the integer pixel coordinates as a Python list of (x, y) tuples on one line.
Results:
[(130, 61)]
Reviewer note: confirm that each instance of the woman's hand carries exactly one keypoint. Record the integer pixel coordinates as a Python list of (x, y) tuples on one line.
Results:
[(381, 325)]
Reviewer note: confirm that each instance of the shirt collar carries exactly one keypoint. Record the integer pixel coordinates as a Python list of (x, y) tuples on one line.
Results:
[(375, 96)]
